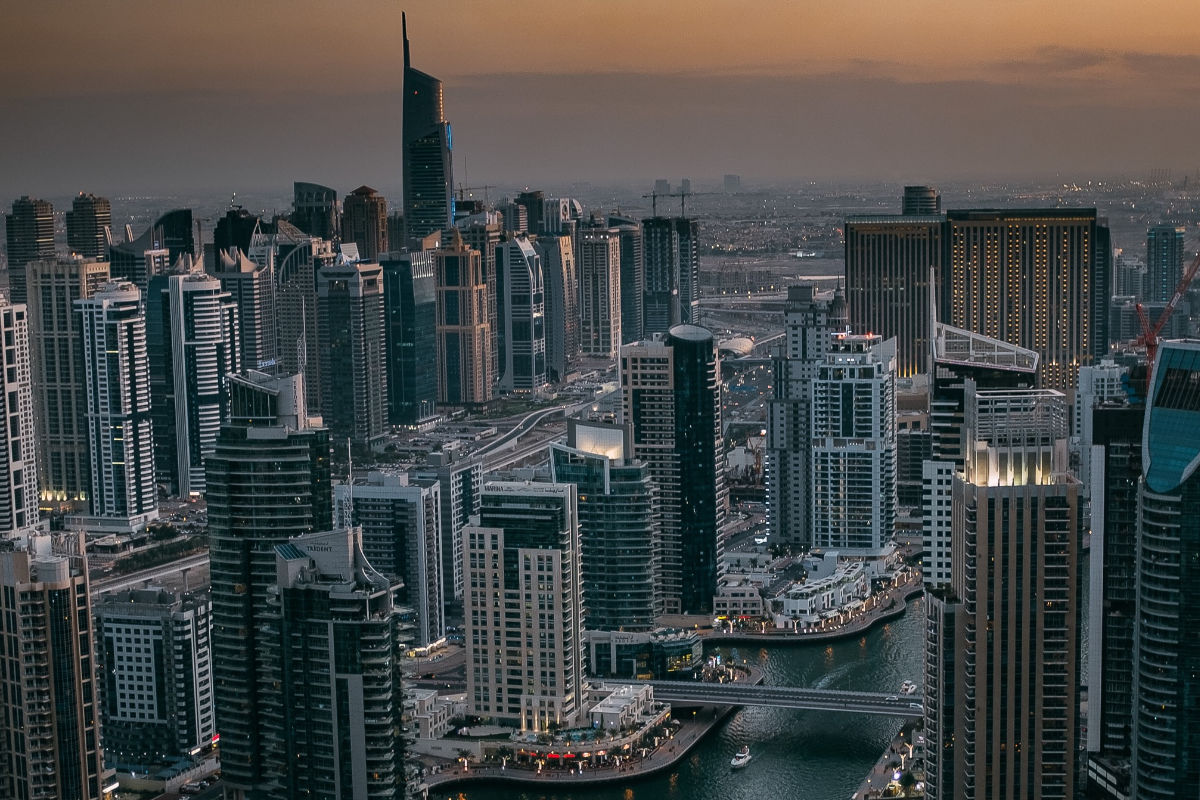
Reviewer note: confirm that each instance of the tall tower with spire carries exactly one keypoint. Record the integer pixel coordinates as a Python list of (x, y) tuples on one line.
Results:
[(428, 178)]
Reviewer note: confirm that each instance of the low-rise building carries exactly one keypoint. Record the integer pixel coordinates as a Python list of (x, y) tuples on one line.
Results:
[(623, 707), (807, 604), (664, 654), (738, 598)]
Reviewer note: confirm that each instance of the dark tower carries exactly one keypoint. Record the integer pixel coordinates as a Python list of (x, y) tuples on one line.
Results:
[(89, 223), (30, 235), (428, 201)]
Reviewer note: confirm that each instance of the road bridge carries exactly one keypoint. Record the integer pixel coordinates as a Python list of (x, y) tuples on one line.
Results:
[(744, 694)]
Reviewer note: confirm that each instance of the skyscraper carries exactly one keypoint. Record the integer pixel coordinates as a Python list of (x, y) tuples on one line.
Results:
[(811, 321), (1166, 718), (483, 233), (618, 526), (460, 480), (50, 731), (315, 210), (523, 322), (671, 400), (353, 370), (364, 222), (268, 480), (853, 440), (56, 351), (599, 292), (633, 278), (298, 260), (160, 246), (428, 176), (249, 278), (18, 470), (410, 309), (921, 201), (117, 376), (523, 551), (672, 273), (30, 234), (464, 338), (562, 303), (1164, 261), (89, 226)]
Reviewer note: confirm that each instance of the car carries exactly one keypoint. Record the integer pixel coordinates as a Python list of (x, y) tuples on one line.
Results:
[(915, 705), (892, 698)]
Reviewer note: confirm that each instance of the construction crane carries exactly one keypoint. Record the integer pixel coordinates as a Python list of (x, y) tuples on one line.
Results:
[(1150, 333), (683, 196), (462, 191)]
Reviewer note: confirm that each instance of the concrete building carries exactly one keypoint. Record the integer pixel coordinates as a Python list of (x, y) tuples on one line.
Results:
[(599, 292), (464, 337), (50, 731), (671, 400), (460, 479), (401, 523), (352, 336), (156, 685), (522, 317), (117, 376), (561, 282), (18, 474), (89, 226), (30, 236), (853, 440), (364, 222), (618, 526), (410, 309), (523, 552), (811, 321)]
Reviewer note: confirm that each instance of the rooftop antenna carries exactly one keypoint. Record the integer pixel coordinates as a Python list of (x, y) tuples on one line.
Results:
[(346, 507)]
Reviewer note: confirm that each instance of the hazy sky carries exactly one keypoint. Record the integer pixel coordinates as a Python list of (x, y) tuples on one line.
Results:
[(117, 97)]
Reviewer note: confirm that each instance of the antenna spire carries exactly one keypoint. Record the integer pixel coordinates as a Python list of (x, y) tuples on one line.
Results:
[(404, 32)]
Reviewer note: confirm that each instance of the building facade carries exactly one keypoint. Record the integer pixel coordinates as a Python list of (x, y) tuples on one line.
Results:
[(428, 175), (460, 479), (599, 292), (364, 222), (410, 310), (315, 210), (89, 226), (464, 338), (19, 474), (672, 273), (523, 318), (249, 278), (1164, 261), (30, 235), (561, 283)]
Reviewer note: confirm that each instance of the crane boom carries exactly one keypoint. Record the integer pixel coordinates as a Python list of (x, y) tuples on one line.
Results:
[(1150, 333)]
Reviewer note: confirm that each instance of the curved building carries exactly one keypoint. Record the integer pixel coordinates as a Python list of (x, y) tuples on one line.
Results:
[(523, 336)]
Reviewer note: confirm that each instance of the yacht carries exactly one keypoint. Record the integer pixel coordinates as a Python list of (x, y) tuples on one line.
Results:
[(741, 759), (908, 687)]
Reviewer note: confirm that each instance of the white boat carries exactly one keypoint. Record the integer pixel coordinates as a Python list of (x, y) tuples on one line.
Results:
[(908, 687), (741, 759)]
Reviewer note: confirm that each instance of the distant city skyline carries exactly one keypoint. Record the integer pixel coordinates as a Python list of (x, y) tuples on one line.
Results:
[(793, 91)]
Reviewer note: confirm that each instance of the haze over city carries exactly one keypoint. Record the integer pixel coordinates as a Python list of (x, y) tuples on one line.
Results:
[(142, 96)]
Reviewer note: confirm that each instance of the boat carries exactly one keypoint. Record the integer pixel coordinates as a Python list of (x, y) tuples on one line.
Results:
[(908, 687), (741, 759)]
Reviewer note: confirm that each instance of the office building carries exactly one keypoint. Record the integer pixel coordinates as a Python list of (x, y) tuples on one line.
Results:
[(50, 731), (428, 175), (160, 246), (810, 322), (460, 479), (522, 317), (853, 441), (89, 226), (56, 353), (890, 261), (350, 319), (633, 279), (19, 475), (1002, 695), (30, 235), (268, 480), (315, 210), (117, 376), (672, 273), (464, 338), (364, 222), (561, 282), (199, 350), (250, 282), (401, 523), (523, 552), (410, 319), (1166, 725), (1037, 278), (599, 292), (333, 633), (921, 201), (618, 526), (156, 684), (1164, 261), (671, 400)]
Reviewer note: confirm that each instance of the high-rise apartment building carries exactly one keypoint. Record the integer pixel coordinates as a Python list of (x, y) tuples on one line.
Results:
[(618, 526), (333, 635), (811, 321), (464, 338), (460, 480), (298, 260), (484, 233), (117, 376), (410, 312), (364, 222), (522, 317), (30, 235), (19, 474), (428, 176), (853, 441), (249, 278), (50, 728), (672, 273), (561, 282), (633, 277), (1002, 649), (523, 552), (315, 210), (1166, 684), (401, 523), (89, 226), (671, 400), (599, 292), (921, 201), (156, 685), (352, 335), (268, 480), (1164, 261), (56, 353)]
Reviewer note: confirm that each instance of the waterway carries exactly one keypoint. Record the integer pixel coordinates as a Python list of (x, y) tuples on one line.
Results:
[(805, 755)]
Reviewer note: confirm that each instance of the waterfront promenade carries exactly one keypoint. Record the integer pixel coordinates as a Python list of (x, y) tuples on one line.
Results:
[(900, 751)]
